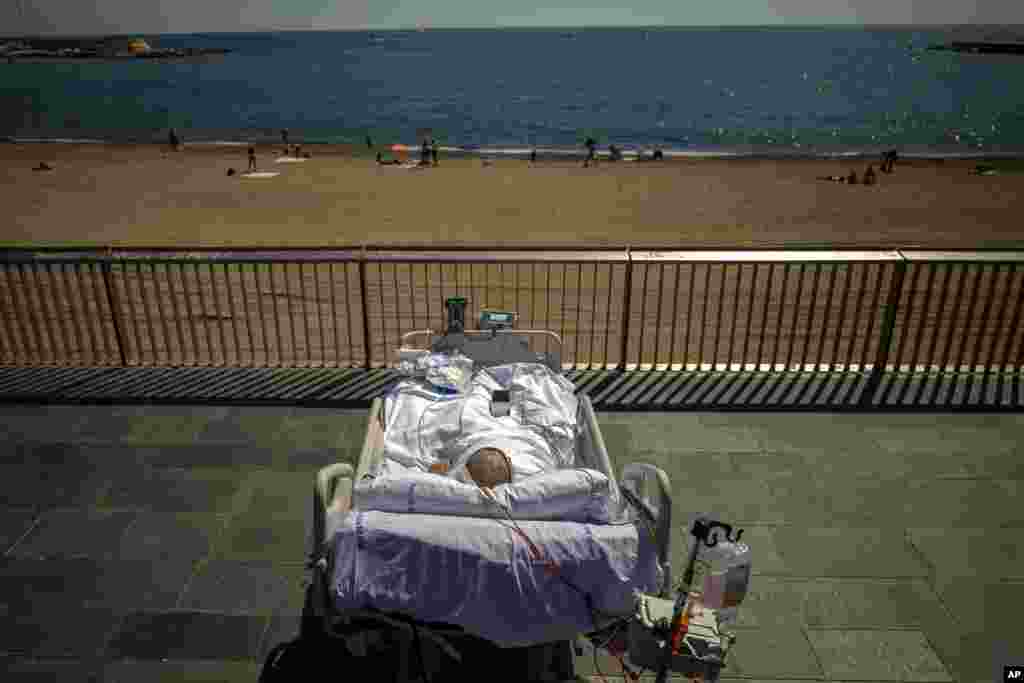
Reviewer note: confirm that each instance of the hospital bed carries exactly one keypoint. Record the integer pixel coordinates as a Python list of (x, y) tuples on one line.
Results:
[(424, 590)]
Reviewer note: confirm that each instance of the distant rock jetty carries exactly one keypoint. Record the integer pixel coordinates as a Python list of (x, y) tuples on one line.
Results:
[(30, 49), (982, 48)]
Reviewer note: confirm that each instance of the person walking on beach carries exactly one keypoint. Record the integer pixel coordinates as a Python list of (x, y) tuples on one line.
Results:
[(533, 155), (252, 158), (852, 178), (284, 137), (869, 176), (433, 151), (425, 153), (591, 144), (888, 159), (172, 138), (369, 142)]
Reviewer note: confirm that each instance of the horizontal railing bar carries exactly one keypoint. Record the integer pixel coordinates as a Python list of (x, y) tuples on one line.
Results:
[(546, 256), (503, 255), (963, 256), (756, 256)]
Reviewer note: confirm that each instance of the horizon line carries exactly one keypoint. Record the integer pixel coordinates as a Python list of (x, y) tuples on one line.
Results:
[(424, 28)]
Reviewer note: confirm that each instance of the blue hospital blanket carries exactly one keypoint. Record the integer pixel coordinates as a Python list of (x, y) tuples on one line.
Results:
[(480, 574)]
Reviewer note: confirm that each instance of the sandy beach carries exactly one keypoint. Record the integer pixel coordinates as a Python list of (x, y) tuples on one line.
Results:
[(143, 195)]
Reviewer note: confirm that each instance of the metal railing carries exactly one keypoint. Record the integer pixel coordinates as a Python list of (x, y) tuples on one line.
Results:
[(763, 310)]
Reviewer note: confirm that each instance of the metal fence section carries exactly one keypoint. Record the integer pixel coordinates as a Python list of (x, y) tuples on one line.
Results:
[(711, 310), (762, 311)]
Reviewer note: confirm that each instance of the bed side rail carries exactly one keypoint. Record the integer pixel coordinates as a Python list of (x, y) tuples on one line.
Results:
[(650, 485), (591, 445)]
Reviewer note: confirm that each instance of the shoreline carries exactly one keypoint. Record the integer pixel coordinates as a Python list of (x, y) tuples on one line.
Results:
[(544, 152)]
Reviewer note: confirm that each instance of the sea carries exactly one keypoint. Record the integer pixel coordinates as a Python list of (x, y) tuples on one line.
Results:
[(761, 91)]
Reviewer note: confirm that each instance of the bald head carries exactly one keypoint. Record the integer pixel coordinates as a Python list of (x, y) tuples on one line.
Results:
[(489, 467)]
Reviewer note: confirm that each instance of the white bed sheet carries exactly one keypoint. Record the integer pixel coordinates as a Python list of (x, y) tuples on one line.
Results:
[(424, 426)]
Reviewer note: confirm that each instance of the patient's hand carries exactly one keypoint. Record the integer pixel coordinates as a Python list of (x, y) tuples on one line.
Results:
[(489, 467)]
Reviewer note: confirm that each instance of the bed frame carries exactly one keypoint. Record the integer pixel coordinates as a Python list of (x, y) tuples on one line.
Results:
[(646, 486)]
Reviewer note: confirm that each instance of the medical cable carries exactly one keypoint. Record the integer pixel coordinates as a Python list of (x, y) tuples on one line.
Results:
[(550, 567)]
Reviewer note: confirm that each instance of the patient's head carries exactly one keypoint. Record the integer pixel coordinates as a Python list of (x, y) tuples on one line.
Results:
[(489, 467)]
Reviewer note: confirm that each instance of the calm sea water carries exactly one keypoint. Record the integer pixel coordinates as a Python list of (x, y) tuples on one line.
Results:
[(690, 91)]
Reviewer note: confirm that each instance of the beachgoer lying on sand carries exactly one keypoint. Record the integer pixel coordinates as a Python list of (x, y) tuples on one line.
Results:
[(869, 176), (833, 178), (983, 169), (43, 166), (390, 162), (231, 171)]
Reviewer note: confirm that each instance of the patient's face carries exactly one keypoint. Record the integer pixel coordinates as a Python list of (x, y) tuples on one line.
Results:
[(488, 467)]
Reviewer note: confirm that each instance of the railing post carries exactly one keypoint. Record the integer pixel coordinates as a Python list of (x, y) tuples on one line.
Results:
[(114, 310), (627, 312), (366, 311), (886, 331)]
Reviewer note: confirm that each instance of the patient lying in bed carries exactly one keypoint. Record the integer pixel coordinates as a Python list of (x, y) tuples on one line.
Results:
[(440, 434), (441, 453)]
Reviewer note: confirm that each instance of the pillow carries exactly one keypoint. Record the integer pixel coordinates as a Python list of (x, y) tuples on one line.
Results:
[(569, 495)]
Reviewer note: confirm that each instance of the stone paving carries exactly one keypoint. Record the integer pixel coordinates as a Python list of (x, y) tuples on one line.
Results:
[(167, 543)]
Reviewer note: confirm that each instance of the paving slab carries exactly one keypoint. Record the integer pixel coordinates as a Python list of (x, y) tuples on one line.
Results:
[(41, 487), (793, 432), (873, 464), (202, 454), (40, 423), (23, 670), (231, 587), (774, 602), (319, 428), (15, 522), (988, 553), (676, 433), (836, 552), (73, 533), (167, 489), (114, 584), (947, 439), (157, 536), (246, 424), (769, 653), (878, 655), (50, 630), (208, 671), (261, 537), (183, 427), (273, 519), (183, 635)]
